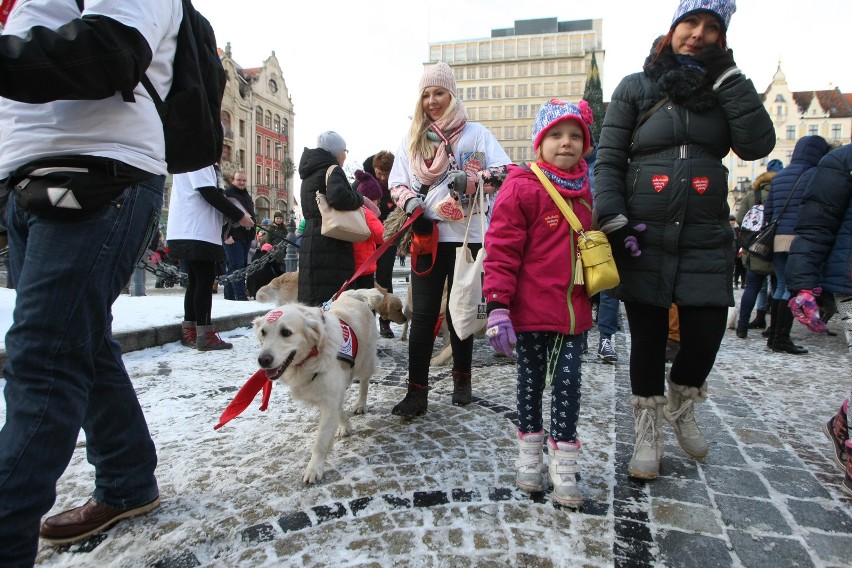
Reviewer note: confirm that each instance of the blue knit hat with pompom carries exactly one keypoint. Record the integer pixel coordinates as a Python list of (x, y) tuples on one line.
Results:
[(722, 9)]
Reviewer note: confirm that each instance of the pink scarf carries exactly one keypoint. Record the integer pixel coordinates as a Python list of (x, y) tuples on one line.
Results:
[(448, 129)]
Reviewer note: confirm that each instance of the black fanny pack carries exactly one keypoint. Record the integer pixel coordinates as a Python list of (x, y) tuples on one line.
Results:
[(71, 187)]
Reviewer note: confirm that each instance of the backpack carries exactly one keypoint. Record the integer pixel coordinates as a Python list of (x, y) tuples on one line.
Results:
[(752, 223), (191, 112)]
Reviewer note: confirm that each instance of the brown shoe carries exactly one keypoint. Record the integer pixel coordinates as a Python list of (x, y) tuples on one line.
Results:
[(81, 522)]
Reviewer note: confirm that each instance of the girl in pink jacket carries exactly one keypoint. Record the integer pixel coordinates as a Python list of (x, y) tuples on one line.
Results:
[(531, 297)]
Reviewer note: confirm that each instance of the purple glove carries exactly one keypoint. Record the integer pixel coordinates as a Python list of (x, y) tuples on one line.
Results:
[(806, 311), (500, 332), (630, 241)]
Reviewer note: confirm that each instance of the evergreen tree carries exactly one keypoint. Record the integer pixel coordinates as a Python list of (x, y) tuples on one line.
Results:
[(593, 94)]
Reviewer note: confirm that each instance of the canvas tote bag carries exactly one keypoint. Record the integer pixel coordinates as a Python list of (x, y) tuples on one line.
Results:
[(342, 225), (466, 304)]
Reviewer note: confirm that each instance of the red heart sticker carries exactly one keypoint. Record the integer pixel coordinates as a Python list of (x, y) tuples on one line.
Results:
[(659, 182), (700, 184), (274, 315), (551, 220), (451, 211)]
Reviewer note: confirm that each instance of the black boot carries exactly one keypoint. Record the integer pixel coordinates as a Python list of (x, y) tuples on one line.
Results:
[(783, 324), (773, 304), (461, 388), (414, 403), (742, 331), (759, 321), (384, 328)]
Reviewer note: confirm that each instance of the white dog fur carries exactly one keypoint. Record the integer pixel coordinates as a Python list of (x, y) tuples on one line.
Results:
[(321, 380)]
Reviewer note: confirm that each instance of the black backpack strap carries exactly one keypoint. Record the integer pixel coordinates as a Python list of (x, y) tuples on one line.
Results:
[(758, 199), (127, 96)]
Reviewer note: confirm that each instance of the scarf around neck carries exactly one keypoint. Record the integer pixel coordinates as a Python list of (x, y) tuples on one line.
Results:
[(683, 80), (447, 129), (574, 180)]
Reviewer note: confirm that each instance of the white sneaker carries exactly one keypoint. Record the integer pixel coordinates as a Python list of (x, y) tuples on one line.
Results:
[(563, 472), (528, 473)]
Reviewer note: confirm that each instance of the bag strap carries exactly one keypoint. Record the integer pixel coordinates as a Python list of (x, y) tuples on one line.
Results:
[(560, 201), (648, 114), (789, 197), (480, 194)]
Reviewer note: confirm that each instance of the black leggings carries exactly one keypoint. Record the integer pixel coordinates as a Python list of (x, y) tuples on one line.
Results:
[(198, 300), (701, 333), (426, 292)]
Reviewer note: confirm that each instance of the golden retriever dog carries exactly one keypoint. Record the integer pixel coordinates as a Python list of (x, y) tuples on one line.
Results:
[(280, 290), (309, 351)]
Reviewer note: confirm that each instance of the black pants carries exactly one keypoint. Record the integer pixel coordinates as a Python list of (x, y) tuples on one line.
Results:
[(701, 332), (426, 292), (198, 300), (384, 269)]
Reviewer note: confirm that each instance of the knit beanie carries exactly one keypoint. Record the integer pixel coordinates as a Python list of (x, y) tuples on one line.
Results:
[(368, 186), (774, 166), (278, 214), (439, 75), (331, 141), (722, 9), (555, 111)]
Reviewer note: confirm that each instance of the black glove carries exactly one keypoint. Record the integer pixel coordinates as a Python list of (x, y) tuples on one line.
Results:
[(626, 240), (716, 61)]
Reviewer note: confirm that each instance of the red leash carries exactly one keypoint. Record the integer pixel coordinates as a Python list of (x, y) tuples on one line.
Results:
[(379, 252)]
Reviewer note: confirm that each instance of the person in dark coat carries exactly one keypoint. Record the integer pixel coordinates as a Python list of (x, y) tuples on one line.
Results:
[(794, 178), (325, 264), (661, 195), (238, 239), (820, 260)]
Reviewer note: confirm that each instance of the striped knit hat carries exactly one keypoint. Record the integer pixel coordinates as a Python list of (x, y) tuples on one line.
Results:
[(555, 111), (722, 9), (439, 75)]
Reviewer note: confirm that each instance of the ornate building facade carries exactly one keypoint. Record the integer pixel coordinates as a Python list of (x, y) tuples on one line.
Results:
[(257, 113)]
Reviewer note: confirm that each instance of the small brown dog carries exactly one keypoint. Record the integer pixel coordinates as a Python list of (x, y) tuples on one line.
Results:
[(390, 308)]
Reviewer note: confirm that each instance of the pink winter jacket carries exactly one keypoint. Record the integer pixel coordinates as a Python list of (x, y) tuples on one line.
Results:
[(531, 251)]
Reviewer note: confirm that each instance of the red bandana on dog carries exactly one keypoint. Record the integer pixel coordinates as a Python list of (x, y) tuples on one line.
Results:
[(260, 381)]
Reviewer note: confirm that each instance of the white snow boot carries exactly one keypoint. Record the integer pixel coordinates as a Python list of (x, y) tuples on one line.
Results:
[(563, 472), (680, 413), (528, 473), (648, 451)]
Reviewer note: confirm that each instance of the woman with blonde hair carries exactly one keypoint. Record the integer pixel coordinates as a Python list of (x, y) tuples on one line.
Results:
[(440, 163)]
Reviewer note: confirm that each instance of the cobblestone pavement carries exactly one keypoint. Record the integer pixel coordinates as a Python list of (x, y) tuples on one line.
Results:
[(439, 490)]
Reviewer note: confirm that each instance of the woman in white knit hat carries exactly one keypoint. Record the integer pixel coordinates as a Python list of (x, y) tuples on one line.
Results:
[(659, 168), (443, 153)]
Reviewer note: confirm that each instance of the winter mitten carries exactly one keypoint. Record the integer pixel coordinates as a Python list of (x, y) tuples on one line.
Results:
[(500, 332), (628, 235), (806, 310), (411, 205), (718, 63)]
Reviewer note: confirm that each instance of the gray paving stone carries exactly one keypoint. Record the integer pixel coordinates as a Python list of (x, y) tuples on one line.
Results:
[(685, 490), (752, 515), (690, 550), (833, 549), (769, 552), (794, 482), (735, 481), (826, 516)]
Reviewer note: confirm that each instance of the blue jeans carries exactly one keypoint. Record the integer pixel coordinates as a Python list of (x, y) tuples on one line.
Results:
[(779, 262), (546, 353), (753, 286), (608, 313), (236, 256), (64, 370)]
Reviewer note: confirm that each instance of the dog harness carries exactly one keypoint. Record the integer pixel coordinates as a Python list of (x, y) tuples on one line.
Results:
[(260, 380)]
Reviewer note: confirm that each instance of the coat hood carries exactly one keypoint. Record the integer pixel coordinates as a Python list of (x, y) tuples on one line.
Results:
[(810, 150), (314, 159), (763, 179)]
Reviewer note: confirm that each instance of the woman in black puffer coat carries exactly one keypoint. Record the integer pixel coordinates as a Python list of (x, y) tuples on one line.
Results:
[(324, 263), (662, 198)]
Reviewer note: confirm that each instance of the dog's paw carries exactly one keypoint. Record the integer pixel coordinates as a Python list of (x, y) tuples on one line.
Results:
[(313, 474), (344, 430), (359, 409)]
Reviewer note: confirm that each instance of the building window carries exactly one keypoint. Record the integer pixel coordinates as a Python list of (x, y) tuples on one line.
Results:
[(510, 48), (258, 115), (484, 51), (791, 133), (523, 69), (835, 131), (549, 46), (275, 177), (276, 123), (471, 94), (522, 111), (497, 71), (813, 130), (483, 93), (535, 47), (242, 161), (257, 144), (549, 89), (267, 119), (564, 67), (535, 90), (285, 128), (471, 114), (549, 68), (471, 52), (509, 111), (562, 89), (524, 132), (268, 148), (779, 110), (522, 91), (496, 92), (497, 132), (779, 98), (741, 162), (509, 132), (495, 113), (226, 153), (484, 71), (497, 50), (510, 91), (268, 175), (576, 87), (242, 128), (258, 172), (535, 68)]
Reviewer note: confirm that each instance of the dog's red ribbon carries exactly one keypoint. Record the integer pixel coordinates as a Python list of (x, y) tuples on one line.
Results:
[(258, 381)]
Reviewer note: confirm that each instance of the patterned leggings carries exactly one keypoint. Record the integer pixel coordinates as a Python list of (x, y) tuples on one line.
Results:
[(543, 355)]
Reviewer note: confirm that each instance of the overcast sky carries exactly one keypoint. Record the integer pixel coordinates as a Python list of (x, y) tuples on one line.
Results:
[(354, 66)]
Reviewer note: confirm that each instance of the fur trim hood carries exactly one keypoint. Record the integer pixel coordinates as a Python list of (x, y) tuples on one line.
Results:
[(763, 180)]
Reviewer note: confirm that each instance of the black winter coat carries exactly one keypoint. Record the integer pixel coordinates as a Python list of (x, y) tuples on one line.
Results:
[(324, 263), (242, 196), (670, 177), (821, 254)]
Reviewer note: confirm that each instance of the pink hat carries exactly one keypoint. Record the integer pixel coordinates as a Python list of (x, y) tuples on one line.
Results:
[(555, 111), (439, 75), (266, 247)]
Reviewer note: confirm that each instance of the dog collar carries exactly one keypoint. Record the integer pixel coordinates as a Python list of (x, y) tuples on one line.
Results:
[(314, 352)]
